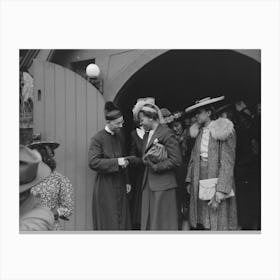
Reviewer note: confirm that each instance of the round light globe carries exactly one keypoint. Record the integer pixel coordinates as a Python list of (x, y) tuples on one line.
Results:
[(93, 71)]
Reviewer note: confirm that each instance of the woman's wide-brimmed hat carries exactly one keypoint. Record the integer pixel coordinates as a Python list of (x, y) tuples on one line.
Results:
[(31, 168), (38, 144), (203, 102)]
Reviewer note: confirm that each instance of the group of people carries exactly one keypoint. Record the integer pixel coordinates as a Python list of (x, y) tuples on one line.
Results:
[(192, 170)]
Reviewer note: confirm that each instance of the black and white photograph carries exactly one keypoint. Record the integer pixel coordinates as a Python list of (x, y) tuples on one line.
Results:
[(140, 139), (149, 140)]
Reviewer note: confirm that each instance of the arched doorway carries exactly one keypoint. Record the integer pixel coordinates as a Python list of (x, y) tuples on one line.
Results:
[(177, 78)]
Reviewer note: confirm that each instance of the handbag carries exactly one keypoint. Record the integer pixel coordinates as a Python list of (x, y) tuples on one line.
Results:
[(207, 188), (156, 153)]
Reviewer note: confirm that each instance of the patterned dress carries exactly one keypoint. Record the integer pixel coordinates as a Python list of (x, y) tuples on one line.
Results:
[(56, 192)]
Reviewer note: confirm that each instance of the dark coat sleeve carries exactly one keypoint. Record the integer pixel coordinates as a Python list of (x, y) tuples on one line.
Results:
[(96, 160), (227, 160), (134, 158), (174, 159)]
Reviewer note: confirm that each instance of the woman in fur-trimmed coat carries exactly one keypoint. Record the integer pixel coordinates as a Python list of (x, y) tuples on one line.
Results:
[(213, 156)]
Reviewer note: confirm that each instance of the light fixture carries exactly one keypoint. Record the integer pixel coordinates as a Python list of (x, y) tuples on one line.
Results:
[(93, 74)]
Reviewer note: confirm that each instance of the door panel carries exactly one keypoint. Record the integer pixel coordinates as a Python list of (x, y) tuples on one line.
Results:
[(69, 111)]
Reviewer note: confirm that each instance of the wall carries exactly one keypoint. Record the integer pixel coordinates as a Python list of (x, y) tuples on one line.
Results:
[(118, 65)]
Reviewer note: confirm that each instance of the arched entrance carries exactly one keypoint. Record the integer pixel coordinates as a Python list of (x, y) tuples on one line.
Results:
[(177, 78)]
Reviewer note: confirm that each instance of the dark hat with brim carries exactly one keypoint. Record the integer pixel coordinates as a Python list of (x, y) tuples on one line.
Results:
[(203, 102), (38, 144), (178, 117), (223, 108), (32, 170)]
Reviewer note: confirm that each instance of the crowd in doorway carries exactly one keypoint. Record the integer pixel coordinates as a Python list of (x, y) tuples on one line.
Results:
[(193, 170), (197, 169)]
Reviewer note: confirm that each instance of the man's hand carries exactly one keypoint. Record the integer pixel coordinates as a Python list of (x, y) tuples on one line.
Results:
[(128, 188), (55, 213), (123, 162)]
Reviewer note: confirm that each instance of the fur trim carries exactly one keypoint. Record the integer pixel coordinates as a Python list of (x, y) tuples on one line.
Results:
[(221, 129), (194, 130)]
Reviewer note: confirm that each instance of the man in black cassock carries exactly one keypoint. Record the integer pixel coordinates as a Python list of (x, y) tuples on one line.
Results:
[(110, 209)]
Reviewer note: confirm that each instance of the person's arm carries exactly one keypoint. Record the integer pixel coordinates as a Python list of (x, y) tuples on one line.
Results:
[(66, 198), (100, 164), (227, 161), (133, 157)]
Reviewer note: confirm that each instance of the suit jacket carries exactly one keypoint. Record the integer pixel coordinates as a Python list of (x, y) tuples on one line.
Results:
[(161, 176)]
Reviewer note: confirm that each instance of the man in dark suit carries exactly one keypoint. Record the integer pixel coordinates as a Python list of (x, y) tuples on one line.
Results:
[(159, 210)]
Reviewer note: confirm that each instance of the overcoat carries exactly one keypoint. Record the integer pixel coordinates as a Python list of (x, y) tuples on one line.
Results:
[(159, 207), (110, 209), (221, 160)]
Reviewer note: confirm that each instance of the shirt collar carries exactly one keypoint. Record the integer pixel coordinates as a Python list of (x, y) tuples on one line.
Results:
[(140, 132), (109, 130)]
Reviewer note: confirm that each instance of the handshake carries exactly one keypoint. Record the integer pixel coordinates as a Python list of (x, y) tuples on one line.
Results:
[(123, 162)]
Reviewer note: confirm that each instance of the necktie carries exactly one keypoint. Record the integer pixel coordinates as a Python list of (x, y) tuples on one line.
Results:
[(145, 138)]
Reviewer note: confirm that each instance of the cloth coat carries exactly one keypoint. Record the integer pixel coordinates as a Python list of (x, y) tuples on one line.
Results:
[(159, 209), (110, 209), (221, 160)]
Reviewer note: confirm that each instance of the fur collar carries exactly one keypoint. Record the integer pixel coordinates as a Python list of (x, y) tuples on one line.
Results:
[(220, 129)]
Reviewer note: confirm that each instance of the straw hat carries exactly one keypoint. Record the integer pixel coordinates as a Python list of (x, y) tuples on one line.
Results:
[(203, 102), (31, 168)]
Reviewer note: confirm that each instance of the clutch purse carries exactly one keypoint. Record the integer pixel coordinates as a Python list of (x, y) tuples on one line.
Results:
[(207, 189), (156, 153)]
